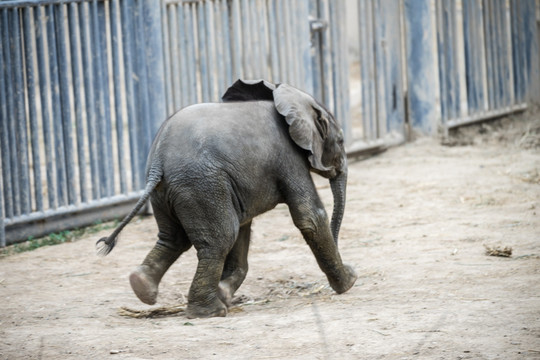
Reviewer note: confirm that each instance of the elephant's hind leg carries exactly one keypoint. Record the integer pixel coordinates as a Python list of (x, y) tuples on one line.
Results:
[(213, 241), (172, 243), (236, 266)]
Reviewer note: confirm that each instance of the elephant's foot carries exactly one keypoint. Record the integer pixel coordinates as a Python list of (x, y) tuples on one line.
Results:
[(214, 309), (346, 281), (143, 285)]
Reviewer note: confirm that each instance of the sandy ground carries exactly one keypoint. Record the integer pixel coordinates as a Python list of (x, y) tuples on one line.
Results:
[(417, 219)]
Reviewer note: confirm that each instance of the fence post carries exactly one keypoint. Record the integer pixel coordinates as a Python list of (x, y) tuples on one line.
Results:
[(155, 64), (2, 217), (422, 68), (532, 52)]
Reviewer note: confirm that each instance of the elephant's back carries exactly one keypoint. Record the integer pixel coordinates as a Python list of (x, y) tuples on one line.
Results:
[(238, 134)]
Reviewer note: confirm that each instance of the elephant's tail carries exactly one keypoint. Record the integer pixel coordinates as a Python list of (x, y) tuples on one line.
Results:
[(105, 245)]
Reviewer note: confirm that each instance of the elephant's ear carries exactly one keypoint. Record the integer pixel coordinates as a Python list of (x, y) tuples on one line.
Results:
[(307, 127), (249, 90)]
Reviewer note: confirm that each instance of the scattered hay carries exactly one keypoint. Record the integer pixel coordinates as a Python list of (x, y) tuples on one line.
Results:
[(151, 313), (497, 251), (169, 310)]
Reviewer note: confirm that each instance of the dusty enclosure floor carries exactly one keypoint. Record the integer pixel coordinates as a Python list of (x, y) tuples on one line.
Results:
[(417, 219)]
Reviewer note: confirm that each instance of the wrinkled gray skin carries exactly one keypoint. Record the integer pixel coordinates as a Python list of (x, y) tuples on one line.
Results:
[(214, 167)]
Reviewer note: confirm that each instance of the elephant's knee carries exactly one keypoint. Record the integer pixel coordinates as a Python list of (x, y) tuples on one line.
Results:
[(310, 223)]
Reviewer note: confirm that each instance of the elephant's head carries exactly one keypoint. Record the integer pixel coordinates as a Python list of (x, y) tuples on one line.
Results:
[(312, 128)]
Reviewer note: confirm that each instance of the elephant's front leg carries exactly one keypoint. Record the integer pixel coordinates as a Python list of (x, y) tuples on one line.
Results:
[(310, 217), (236, 266)]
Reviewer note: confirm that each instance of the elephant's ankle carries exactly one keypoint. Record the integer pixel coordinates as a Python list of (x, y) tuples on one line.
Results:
[(225, 293), (145, 283), (215, 308)]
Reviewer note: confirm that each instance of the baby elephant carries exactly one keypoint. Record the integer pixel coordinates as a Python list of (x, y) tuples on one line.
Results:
[(213, 167)]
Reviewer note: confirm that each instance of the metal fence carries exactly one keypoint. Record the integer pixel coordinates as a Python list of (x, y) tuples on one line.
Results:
[(210, 44), (84, 85), (482, 55), (382, 95), (429, 66), (468, 60), (75, 93)]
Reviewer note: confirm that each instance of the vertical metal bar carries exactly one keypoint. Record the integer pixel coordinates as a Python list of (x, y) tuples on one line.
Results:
[(99, 89), (449, 55), (273, 40), (203, 53), (2, 218), (236, 41), (287, 39), (326, 45), (145, 128), (468, 32), (166, 28), (21, 182), (5, 116), (32, 112), (118, 93), (245, 39), (315, 50), (443, 68), (282, 49), (217, 30), (5, 207), (517, 52), (335, 54), (175, 54), (344, 73), (304, 35), (481, 58), (90, 98), (77, 95), (189, 12), (12, 180), (20, 101), (392, 54), (153, 49), (505, 65), (182, 55), (2, 213), (489, 52), (102, 40), (423, 88), (210, 51), (298, 21), (263, 37), (365, 74), (254, 45), (45, 90), (67, 129), (495, 44), (508, 52), (129, 75), (226, 26)]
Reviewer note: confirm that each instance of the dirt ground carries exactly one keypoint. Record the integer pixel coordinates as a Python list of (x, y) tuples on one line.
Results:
[(417, 219)]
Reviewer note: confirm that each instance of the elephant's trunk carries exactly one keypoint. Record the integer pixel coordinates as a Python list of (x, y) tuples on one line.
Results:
[(339, 187)]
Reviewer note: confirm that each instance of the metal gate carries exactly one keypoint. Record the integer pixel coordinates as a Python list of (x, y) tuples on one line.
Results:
[(429, 66), (84, 85), (210, 44), (75, 93), (468, 60), (482, 58)]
